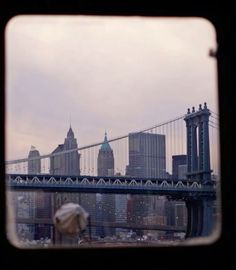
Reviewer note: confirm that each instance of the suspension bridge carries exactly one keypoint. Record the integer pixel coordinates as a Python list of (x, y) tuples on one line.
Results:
[(177, 159)]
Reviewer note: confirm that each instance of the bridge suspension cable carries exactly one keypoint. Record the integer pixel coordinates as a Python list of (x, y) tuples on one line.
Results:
[(213, 124), (214, 113), (10, 162)]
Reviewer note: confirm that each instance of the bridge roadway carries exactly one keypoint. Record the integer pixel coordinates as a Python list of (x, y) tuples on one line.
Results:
[(177, 189), (108, 225)]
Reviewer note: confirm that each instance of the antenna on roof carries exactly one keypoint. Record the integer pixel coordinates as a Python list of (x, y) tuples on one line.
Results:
[(70, 119)]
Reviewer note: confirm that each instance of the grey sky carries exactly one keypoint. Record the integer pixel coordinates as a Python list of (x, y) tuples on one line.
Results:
[(118, 74)]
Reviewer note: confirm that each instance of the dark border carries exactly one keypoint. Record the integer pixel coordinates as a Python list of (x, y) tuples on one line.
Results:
[(218, 254)]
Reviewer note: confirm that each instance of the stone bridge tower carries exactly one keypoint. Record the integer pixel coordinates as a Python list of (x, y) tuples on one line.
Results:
[(198, 149), (200, 217)]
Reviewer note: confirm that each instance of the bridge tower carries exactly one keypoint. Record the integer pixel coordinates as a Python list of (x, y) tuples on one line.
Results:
[(198, 168), (198, 149)]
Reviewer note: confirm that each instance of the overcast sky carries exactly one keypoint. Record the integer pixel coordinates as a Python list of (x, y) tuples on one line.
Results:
[(115, 74)]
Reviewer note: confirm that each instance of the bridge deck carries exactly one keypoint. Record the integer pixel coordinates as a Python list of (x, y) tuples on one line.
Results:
[(117, 185)]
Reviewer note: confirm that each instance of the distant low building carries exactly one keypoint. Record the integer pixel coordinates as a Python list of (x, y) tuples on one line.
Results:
[(176, 213), (177, 161), (121, 201)]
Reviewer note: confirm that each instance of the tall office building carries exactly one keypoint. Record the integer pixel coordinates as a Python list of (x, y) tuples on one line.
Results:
[(69, 164), (105, 202), (29, 205), (105, 161), (147, 158), (41, 206), (34, 165), (66, 163)]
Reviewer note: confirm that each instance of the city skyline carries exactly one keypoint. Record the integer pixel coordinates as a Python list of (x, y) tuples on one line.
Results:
[(95, 57), (147, 160)]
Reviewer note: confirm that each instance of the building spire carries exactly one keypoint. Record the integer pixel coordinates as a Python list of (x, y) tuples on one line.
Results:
[(32, 148), (70, 133), (70, 119), (105, 145)]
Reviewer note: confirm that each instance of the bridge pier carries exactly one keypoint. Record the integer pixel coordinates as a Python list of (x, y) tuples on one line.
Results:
[(207, 217), (200, 218)]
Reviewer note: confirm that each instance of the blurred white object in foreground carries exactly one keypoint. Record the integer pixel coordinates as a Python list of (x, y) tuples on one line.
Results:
[(70, 218)]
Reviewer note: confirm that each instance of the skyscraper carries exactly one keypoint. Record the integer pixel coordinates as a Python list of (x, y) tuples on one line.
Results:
[(105, 202), (105, 161), (34, 165), (34, 204), (41, 205), (147, 156), (146, 159), (66, 163)]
